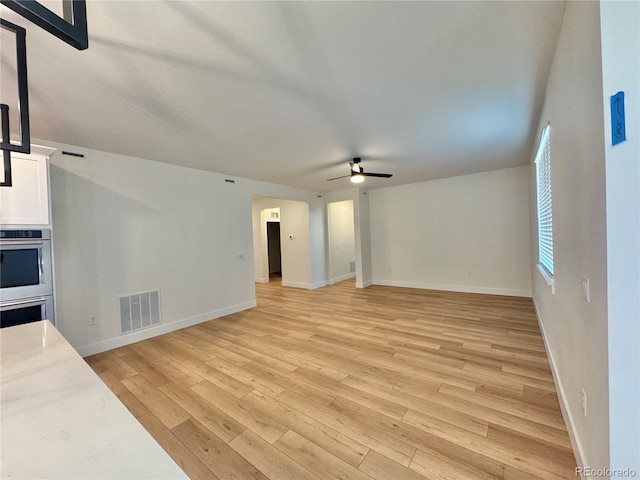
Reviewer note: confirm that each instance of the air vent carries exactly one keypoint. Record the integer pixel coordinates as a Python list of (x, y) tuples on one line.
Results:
[(139, 311), (352, 266), (73, 154)]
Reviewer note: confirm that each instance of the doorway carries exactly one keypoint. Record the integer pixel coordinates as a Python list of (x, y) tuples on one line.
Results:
[(295, 262), (342, 242), (273, 249)]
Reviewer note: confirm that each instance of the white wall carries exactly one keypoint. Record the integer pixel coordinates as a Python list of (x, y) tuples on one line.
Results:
[(124, 225), (318, 242), (260, 262), (295, 244), (342, 241), (294, 230), (620, 30), (364, 267), (432, 234), (576, 331), (362, 231)]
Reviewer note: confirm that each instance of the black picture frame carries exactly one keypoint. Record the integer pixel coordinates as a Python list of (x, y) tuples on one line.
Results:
[(23, 104), (7, 181), (72, 29)]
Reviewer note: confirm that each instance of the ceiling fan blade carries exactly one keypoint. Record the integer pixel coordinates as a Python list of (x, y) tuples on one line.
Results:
[(336, 178), (381, 175)]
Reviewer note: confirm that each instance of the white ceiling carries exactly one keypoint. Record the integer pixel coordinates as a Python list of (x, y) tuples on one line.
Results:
[(288, 92)]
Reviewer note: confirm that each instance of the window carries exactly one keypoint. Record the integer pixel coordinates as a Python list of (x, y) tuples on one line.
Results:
[(545, 217)]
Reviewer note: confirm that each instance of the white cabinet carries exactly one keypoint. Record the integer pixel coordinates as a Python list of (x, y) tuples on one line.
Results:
[(26, 202)]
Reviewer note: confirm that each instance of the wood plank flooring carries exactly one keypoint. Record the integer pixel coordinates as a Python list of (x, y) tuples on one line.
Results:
[(342, 383)]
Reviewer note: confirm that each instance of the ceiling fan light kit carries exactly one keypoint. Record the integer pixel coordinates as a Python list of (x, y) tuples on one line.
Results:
[(357, 172)]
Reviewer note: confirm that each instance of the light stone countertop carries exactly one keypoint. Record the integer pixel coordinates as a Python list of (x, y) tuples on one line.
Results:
[(59, 420)]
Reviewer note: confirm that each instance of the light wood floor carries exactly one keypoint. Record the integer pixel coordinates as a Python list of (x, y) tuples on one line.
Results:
[(338, 383)]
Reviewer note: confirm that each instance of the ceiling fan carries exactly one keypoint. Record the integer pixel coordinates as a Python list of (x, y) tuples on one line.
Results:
[(357, 172)]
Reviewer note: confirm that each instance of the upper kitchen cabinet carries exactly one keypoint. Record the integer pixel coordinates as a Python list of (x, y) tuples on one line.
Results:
[(26, 202)]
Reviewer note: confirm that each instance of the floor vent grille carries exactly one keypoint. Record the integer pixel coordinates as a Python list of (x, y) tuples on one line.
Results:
[(139, 311)]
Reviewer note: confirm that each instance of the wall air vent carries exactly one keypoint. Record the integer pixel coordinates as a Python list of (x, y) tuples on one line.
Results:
[(73, 154), (352, 266), (139, 311)]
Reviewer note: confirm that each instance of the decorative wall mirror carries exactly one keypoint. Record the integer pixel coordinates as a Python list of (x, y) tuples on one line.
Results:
[(71, 27), (19, 34)]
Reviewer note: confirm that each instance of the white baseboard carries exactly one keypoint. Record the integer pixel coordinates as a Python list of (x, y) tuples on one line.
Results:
[(562, 399), (139, 335), (340, 278), (286, 283), (510, 292), (318, 285), (306, 286), (365, 284), (261, 280)]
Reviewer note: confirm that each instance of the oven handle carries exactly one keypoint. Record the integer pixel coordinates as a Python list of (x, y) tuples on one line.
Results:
[(9, 243), (22, 302)]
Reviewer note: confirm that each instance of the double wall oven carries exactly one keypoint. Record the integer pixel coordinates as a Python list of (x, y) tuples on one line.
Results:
[(26, 278)]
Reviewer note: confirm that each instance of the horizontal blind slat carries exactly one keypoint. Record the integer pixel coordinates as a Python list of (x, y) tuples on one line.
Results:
[(545, 204)]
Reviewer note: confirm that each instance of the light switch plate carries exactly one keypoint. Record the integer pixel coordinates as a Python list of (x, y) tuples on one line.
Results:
[(585, 289)]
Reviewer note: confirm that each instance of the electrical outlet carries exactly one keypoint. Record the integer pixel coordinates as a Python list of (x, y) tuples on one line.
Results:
[(93, 319), (583, 401), (585, 289)]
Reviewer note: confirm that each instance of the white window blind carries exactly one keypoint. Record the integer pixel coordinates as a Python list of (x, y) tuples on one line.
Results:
[(545, 217)]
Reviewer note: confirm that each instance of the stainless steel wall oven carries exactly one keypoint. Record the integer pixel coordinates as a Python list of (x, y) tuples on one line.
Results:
[(26, 277), (28, 310)]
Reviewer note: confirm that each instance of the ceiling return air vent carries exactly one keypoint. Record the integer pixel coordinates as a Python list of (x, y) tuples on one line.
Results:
[(139, 311)]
